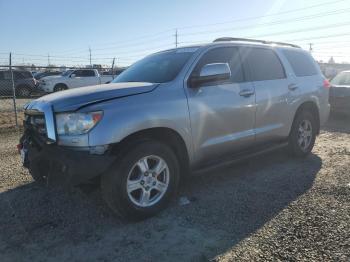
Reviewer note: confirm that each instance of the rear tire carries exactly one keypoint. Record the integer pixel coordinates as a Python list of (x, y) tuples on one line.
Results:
[(303, 134), (60, 87), (142, 182)]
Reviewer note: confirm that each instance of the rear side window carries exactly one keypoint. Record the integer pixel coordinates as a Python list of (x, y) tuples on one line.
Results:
[(229, 55), (22, 74), (341, 79), (5, 75), (263, 64), (27, 74), (88, 73), (302, 64), (18, 75)]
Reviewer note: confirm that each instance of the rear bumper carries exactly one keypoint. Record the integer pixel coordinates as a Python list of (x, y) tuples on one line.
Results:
[(64, 166)]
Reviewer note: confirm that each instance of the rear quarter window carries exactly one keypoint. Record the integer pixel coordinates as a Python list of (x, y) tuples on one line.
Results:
[(22, 75), (262, 64), (301, 63)]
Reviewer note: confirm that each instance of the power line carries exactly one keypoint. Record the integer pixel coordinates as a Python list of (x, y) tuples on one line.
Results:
[(235, 20), (117, 44), (287, 32), (279, 22), (264, 16)]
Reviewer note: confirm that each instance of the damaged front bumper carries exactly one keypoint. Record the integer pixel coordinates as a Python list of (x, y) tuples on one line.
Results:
[(60, 165)]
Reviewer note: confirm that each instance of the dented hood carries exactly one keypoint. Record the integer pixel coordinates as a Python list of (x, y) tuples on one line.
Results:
[(73, 99)]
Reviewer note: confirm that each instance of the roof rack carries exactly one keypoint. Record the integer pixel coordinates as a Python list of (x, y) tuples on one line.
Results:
[(231, 39)]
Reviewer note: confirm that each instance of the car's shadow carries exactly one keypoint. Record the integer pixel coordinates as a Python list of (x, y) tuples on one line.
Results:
[(226, 206)]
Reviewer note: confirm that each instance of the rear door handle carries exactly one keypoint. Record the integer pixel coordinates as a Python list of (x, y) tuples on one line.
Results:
[(246, 92), (292, 87)]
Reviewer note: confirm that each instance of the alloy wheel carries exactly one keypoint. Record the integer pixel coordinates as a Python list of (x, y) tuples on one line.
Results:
[(147, 181)]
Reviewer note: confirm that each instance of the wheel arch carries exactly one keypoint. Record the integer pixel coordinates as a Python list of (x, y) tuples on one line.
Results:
[(311, 107), (60, 84), (164, 135)]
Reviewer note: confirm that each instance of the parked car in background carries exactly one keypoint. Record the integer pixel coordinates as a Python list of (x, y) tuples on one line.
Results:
[(40, 75), (339, 95), (175, 112), (73, 78), (25, 83)]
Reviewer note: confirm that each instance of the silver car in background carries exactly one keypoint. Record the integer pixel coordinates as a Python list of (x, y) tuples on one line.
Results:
[(339, 95), (173, 113)]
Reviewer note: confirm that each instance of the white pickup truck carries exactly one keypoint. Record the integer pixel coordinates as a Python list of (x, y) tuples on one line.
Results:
[(73, 78)]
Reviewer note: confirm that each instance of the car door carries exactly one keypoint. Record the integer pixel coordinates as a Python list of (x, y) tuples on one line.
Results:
[(90, 78), (83, 77), (267, 74), (222, 114)]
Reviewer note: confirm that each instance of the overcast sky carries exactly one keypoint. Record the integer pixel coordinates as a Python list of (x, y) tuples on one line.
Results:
[(129, 30)]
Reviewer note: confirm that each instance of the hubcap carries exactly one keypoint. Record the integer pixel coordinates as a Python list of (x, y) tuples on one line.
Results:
[(305, 134), (148, 181)]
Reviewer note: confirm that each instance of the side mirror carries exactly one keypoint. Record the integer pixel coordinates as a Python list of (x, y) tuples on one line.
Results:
[(211, 73), (72, 75)]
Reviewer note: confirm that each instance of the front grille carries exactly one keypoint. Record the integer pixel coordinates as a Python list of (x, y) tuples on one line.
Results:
[(36, 124)]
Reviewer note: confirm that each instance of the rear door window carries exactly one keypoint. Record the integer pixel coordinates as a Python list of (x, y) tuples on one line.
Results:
[(84, 73), (262, 63), (302, 64), (88, 73), (229, 55), (79, 73)]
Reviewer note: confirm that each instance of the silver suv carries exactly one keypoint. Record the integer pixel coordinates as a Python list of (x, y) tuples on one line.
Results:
[(174, 113)]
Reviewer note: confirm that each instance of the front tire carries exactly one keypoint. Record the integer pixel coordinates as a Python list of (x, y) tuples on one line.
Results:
[(303, 134), (142, 182)]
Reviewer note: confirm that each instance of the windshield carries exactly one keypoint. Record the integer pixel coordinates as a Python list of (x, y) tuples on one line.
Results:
[(341, 79), (158, 68), (67, 73)]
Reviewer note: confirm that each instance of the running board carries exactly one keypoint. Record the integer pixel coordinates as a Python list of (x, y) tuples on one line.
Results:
[(239, 158)]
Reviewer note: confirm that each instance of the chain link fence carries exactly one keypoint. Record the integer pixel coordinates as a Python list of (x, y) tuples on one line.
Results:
[(21, 84)]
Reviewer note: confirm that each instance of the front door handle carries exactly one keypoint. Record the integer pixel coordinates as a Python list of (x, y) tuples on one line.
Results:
[(246, 92), (292, 87)]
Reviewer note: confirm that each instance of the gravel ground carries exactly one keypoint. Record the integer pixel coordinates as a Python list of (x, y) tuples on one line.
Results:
[(7, 114), (269, 208)]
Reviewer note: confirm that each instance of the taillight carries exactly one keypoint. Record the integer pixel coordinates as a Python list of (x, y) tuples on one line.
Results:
[(19, 147), (326, 84)]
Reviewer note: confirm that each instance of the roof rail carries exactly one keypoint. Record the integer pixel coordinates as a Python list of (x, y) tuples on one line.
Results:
[(231, 39)]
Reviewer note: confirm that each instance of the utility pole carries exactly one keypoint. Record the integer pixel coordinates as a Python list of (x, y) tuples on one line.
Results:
[(310, 47), (176, 43), (48, 59), (90, 55), (113, 66)]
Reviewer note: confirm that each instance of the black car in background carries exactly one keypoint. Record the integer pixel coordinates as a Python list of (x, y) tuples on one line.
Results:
[(339, 95), (25, 83), (40, 75)]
